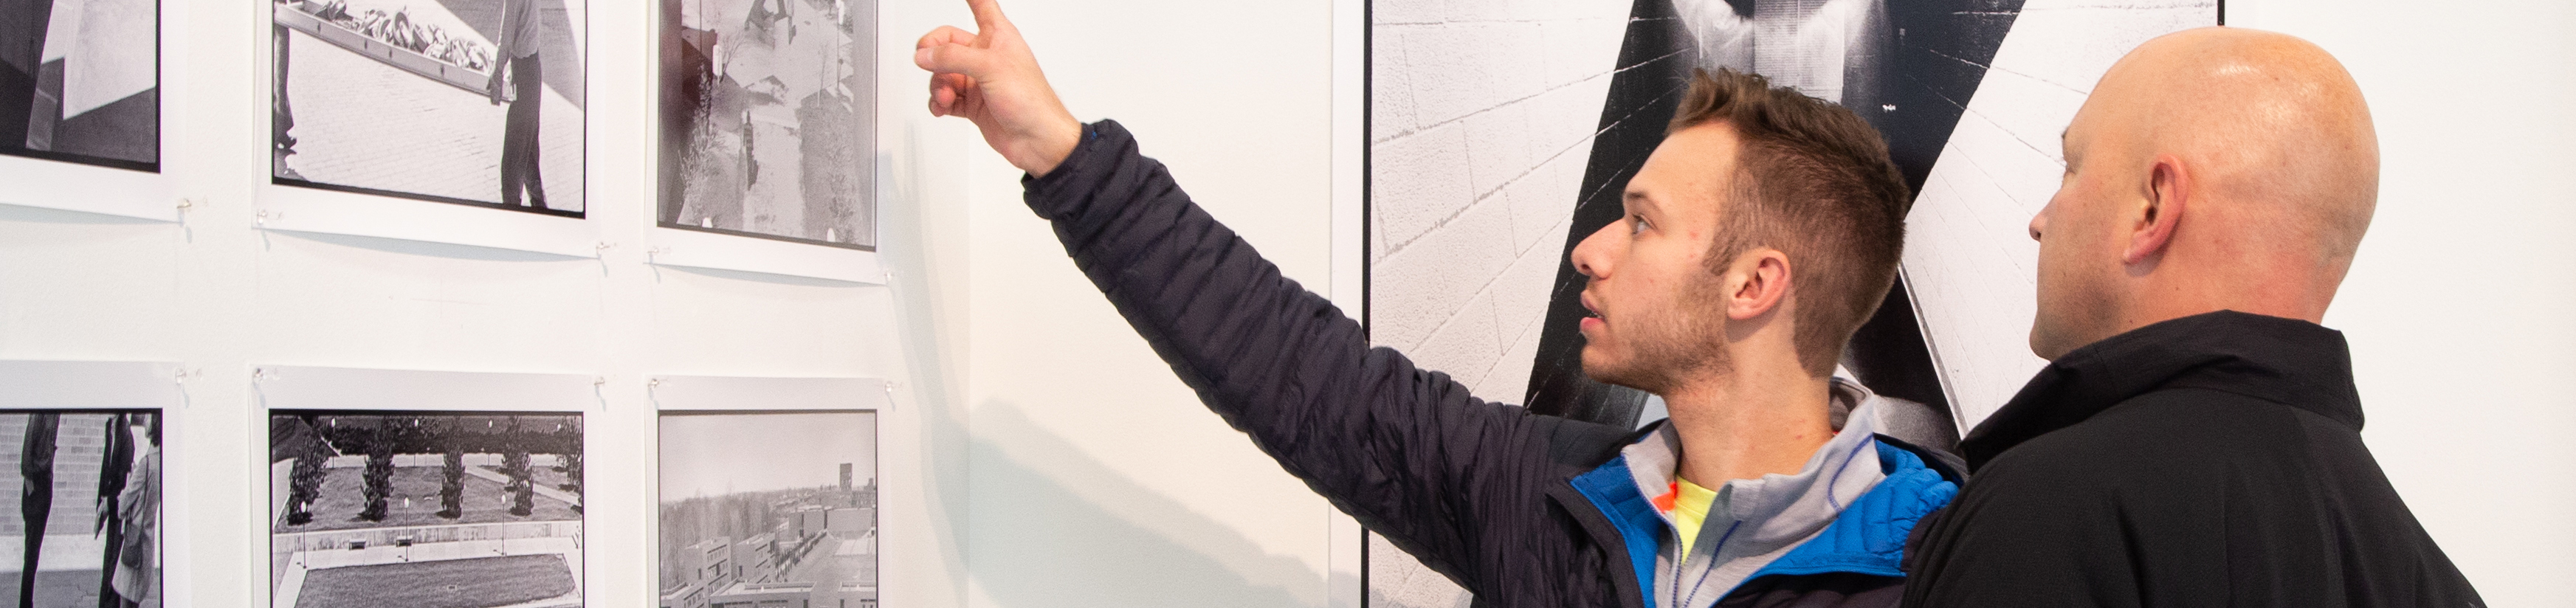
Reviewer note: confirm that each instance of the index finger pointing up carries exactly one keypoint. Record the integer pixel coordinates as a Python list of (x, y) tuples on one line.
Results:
[(988, 15)]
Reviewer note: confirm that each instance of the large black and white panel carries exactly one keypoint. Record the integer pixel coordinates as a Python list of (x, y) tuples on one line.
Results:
[(1501, 135)]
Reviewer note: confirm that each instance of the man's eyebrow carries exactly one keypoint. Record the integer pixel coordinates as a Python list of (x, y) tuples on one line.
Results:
[(1636, 198)]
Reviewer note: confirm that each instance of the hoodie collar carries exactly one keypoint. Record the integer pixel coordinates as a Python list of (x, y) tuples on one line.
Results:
[(1654, 459), (2275, 359)]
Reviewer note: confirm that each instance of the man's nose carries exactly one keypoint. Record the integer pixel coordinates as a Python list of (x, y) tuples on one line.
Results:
[(1587, 254)]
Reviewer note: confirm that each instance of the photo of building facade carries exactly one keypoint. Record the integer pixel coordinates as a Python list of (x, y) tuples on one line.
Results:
[(82, 525), (80, 81)]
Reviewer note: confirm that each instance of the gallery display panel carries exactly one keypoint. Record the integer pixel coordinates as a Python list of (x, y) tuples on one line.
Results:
[(80, 82), (477, 103), (397, 487), (766, 137), (84, 106), (768, 491), (378, 119), (420, 119), (767, 112), (84, 521)]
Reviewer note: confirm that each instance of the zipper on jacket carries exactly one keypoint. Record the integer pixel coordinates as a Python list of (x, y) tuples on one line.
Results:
[(1681, 565)]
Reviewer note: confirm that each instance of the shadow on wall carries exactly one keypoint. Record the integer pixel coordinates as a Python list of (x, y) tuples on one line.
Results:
[(907, 235), (40, 215), (1045, 524), (1038, 541)]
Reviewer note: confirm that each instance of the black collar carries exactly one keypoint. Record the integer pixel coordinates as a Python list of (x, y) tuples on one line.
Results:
[(2287, 361)]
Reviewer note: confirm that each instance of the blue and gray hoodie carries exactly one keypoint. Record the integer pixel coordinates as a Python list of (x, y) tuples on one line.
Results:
[(1847, 511)]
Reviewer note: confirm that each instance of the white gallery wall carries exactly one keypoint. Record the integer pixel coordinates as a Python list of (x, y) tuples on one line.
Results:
[(2457, 305), (1097, 477), (1037, 453)]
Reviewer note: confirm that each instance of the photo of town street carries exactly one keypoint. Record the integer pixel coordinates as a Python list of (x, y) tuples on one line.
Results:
[(425, 509), (768, 125), (768, 509), (401, 98)]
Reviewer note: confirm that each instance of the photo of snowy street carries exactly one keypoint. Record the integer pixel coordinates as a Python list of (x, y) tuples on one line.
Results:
[(767, 122)]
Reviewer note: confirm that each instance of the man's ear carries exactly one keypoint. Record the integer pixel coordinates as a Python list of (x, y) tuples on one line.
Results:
[(2169, 189), (1757, 281)]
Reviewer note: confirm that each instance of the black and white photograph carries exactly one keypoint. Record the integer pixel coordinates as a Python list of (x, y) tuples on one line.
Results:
[(768, 119), (476, 102), (85, 529), (80, 81), (768, 508), (425, 509), (1500, 136)]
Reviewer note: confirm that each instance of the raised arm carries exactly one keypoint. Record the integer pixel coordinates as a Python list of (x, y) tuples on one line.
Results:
[(1408, 452)]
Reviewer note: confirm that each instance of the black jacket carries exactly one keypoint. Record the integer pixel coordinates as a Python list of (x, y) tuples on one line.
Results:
[(1481, 492), (2211, 460)]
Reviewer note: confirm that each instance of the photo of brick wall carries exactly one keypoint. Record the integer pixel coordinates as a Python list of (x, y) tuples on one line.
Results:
[(80, 81), (768, 119), (80, 508), (476, 102), (400, 509)]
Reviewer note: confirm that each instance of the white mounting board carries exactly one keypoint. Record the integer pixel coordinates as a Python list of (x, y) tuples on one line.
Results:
[(89, 385), (297, 209), (693, 249), (341, 388), (35, 182), (715, 393)]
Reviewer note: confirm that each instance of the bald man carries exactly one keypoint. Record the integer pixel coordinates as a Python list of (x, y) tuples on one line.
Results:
[(2195, 439)]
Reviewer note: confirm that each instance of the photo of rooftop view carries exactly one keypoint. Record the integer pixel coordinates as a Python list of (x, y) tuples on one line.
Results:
[(768, 509), (425, 510)]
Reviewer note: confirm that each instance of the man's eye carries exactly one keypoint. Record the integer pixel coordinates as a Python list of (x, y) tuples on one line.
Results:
[(1636, 224)]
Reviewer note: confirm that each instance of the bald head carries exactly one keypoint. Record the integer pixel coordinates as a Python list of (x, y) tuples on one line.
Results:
[(2211, 169)]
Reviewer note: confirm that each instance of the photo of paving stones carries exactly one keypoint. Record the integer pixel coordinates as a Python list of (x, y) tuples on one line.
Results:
[(397, 98)]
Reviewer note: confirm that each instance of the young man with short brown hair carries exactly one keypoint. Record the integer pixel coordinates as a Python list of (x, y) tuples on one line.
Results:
[(1757, 237)]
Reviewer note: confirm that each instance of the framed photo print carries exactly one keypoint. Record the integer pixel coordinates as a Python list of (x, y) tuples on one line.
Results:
[(404, 488), (768, 492)]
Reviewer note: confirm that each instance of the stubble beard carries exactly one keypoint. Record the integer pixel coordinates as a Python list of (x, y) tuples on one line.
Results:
[(1665, 350)]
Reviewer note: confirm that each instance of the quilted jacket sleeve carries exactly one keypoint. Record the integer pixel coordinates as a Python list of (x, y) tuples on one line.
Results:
[(1408, 452)]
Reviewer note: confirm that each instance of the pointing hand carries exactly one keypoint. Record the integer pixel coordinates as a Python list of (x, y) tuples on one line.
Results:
[(989, 77)]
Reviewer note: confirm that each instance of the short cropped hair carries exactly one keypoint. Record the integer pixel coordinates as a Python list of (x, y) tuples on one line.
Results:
[(1814, 181)]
